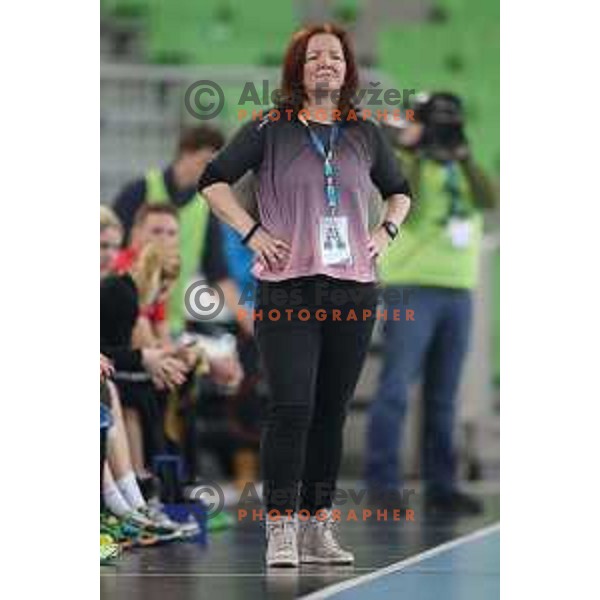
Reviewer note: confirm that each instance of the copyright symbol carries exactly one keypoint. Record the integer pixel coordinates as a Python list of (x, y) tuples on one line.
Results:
[(204, 99), (212, 497), (203, 301)]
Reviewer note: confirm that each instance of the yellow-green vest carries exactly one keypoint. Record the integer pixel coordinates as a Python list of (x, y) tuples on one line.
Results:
[(423, 254), (193, 227)]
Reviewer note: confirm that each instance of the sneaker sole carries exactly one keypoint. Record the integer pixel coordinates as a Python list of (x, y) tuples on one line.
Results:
[(282, 563), (145, 541), (307, 559)]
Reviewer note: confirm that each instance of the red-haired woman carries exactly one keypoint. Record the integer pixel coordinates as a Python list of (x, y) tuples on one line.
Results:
[(316, 160)]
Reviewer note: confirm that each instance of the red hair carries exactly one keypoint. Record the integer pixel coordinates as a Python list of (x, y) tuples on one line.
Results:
[(292, 80)]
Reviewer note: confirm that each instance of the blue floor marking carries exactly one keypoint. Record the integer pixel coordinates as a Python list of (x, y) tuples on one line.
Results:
[(464, 569)]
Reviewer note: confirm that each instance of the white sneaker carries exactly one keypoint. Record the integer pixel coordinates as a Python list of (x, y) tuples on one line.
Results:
[(282, 547), (156, 514), (317, 543)]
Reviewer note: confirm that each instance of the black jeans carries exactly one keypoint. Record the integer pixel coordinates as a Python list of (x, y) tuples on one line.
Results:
[(312, 366)]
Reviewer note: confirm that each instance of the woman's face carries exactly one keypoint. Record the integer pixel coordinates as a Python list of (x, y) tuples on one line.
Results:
[(110, 243), (325, 65)]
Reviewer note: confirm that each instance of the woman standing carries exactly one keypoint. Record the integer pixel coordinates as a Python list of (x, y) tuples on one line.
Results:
[(315, 255)]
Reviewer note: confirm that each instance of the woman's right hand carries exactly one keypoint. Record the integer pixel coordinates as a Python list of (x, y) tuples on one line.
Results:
[(166, 370), (271, 252)]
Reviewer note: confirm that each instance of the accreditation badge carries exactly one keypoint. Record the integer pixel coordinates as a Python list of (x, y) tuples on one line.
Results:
[(460, 232), (334, 240)]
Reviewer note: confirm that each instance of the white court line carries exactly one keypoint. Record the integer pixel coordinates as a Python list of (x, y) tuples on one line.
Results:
[(401, 565), (288, 573)]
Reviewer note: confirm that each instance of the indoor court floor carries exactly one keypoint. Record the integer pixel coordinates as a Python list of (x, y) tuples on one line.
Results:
[(430, 558)]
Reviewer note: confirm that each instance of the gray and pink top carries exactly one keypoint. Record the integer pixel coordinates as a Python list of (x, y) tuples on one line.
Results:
[(291, 195)]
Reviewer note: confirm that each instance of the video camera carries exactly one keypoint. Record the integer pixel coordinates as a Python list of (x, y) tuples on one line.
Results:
[(442, 117)]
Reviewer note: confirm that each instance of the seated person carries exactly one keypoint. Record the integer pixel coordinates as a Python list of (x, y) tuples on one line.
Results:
[(138, 371)]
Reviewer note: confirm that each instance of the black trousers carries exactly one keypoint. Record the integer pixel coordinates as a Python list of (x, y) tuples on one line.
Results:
[(311, 366)]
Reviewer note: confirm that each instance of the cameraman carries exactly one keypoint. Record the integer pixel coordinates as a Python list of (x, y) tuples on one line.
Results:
[(432, 271)]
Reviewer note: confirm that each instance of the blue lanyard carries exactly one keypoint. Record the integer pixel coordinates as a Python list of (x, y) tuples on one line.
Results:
[(452, 188), (458, 207), (332, 190)]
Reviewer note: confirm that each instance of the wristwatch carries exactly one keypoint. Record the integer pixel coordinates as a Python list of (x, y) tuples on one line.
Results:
[(391, 228)]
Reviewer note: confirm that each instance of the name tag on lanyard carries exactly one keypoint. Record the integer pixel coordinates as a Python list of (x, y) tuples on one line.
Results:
[(458, 229), (460, 232), (334, 240)]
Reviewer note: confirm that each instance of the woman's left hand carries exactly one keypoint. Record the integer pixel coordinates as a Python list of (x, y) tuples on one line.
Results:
[(378, 243), (226, 371), (107, 369)]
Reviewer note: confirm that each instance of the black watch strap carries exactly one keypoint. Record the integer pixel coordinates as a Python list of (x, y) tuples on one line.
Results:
[(391, 228), (249, 235)]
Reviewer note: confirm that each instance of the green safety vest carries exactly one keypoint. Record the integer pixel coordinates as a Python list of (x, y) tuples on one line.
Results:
[(423, 254), (193, 224)]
